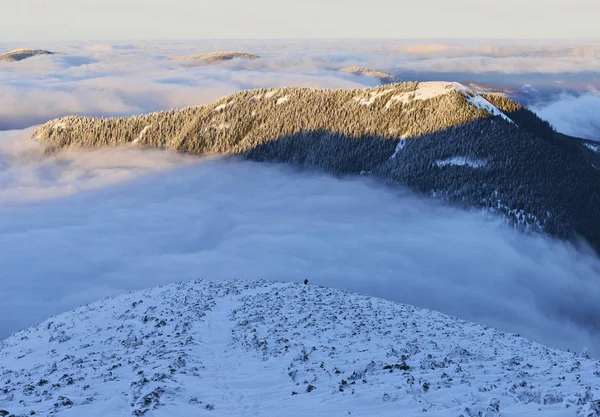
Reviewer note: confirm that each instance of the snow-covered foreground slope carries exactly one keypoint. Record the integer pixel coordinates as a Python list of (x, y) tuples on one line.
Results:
[(261, 348)]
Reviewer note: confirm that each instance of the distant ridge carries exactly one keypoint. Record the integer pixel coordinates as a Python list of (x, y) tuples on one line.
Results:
[(216, 57), (21, 54), (369, 72), (441, 139)]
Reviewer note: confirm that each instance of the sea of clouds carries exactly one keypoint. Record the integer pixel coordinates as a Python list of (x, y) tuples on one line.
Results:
[(81, 225), (131, 78)]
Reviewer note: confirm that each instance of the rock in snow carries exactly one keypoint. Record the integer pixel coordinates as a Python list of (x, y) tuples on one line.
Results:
[(221, 348)]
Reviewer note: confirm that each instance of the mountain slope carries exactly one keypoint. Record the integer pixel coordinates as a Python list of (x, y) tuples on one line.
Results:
[(462, 147), (21, 54), (247, 119), (262, 348)]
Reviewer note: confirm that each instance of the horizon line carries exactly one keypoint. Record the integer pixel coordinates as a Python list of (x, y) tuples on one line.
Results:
[(408, 39)]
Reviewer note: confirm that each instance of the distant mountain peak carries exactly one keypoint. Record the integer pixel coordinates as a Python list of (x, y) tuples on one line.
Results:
[(216, 57), (370, 72), (21, 54)]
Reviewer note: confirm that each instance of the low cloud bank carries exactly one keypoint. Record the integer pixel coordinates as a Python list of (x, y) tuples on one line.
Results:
[(230, 219), (574, 115), (27, 175)]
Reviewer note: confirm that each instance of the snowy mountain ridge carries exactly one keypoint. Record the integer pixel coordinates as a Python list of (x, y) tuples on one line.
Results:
[(221, 348)]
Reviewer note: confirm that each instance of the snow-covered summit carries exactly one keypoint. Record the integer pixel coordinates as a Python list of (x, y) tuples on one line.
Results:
[(260, 348), (431, 89)]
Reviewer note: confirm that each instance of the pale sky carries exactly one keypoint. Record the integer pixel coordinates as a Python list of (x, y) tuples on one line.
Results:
[(72, 20)]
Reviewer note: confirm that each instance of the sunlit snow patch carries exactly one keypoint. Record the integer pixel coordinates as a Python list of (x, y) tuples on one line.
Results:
[(363, 101), (282, 100), (424, 91), (142, 133)]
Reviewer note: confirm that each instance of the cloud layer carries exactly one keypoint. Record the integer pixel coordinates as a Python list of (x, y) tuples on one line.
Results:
[(230, 219), (574, 115), (78, 226), (125, 79), (28, 175)]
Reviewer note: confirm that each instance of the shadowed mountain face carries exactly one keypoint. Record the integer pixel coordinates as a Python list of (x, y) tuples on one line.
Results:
[(440, 139), (21, 54)]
